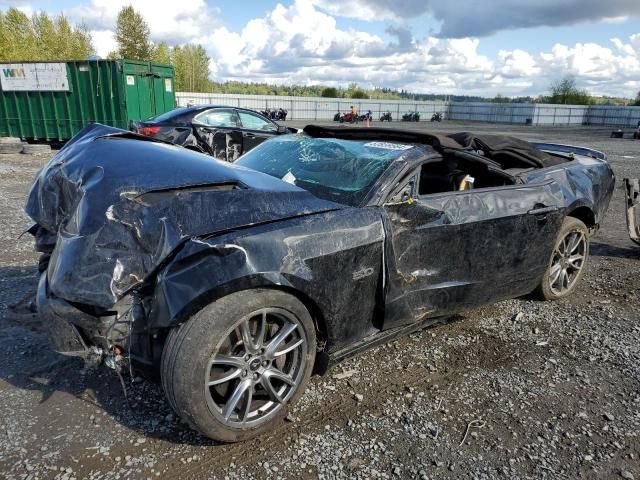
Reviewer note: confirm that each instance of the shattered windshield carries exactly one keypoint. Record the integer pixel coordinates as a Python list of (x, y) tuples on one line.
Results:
[(342, 171)]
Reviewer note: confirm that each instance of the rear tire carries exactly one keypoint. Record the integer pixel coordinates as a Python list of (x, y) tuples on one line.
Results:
[(567, 263), (234, 368)]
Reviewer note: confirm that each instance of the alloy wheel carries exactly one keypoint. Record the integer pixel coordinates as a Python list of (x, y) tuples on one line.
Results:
[(257, 368), (567, 262)]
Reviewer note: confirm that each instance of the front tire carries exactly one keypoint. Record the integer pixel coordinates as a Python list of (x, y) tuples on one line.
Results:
[(234, 368), (567, 262)]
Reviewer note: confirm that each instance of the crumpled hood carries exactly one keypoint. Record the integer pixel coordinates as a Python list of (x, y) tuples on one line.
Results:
[(120, 204)]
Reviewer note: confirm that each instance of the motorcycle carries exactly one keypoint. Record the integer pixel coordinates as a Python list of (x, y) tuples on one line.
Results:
[(364, 117), (411, 117), (344, 117), (280, 114), (386, 117), (436, 117)]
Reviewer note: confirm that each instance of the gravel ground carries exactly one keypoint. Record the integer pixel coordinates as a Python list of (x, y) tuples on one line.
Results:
[(520, 389)]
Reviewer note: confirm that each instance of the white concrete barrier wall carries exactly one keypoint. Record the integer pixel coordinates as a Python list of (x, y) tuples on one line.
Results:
[(319, 108)]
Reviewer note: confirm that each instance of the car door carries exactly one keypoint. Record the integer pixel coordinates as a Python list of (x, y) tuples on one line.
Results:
[(218, 133), (255, 129), (450, 251)]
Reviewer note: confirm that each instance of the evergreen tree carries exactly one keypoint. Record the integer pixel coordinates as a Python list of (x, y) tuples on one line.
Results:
[(192, 68), (329, 92), (161, 53), (132, 35), (19, 39), (82, 44)]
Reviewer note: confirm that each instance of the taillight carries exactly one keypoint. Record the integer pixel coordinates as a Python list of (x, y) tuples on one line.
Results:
[(148, 131)]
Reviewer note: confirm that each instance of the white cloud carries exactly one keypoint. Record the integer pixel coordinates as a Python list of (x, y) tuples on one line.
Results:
[(104, 41), (462, 18), (303, 44), (168, 21)]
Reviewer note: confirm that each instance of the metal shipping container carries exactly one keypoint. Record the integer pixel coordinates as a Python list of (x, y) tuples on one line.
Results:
[(53, 101)]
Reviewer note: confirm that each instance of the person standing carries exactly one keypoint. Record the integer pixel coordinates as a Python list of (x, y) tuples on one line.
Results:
[(354, 114)]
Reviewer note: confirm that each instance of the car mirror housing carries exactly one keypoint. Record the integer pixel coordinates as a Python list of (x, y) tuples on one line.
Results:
[(282, 129)]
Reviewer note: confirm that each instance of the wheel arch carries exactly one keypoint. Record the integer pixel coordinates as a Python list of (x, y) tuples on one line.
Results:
[(585, 214), (217, 292)]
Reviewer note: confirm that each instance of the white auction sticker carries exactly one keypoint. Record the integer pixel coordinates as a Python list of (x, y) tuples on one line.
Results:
[(388, 145), (289, 178)]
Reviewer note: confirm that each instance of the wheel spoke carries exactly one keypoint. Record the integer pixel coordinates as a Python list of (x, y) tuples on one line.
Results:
[(564, 279), (227, 360), (575, 261), (271, 391), (230, 376), (273, 372), (576, 240), (288, 348), (247, 403), (237, 395), (254, 344), (555, 273), (281, 336)]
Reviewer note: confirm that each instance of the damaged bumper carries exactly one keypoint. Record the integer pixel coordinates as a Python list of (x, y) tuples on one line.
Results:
[(64, 336), (75, 332)]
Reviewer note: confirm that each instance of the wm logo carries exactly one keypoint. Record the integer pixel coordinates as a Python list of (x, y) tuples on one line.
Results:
[(13, 73)]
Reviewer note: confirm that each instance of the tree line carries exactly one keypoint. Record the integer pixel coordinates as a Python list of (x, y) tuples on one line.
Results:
[(43, 38)]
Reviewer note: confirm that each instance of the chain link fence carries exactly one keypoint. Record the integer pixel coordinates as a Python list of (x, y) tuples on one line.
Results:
[(318, 108)]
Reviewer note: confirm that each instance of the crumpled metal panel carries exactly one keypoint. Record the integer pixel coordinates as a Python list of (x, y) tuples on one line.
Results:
[(112, 233), (335, 259)]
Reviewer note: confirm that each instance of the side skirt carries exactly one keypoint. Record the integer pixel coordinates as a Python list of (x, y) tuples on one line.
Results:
[(380, 338)]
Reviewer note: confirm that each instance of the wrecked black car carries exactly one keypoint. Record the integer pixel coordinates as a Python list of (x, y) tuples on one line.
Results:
[(236, 281), (221, 131)]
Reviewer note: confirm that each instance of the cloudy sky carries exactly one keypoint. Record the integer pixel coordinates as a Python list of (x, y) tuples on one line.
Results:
[(511, 47)]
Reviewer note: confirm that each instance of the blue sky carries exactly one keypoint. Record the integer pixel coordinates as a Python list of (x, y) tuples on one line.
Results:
[(512, 47)]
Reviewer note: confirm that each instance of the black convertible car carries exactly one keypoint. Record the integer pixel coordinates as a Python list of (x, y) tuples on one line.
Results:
[(221, 131), (236, 281)]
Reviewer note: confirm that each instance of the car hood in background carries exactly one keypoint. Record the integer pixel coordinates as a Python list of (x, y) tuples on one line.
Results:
[(120, 204)]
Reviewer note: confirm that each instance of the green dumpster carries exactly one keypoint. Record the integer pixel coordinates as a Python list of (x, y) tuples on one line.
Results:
[(54, 100)]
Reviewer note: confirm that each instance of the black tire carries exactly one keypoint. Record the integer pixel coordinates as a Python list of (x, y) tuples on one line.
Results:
[(190, 348), (546, 290)]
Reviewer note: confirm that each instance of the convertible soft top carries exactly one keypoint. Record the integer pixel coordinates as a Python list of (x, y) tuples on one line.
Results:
[(503, 149)]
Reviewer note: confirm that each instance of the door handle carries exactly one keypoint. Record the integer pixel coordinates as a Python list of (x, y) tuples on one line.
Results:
[(542, 210)]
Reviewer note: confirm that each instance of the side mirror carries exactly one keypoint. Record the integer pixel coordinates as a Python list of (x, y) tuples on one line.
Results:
[(403, 196), (282, 129)]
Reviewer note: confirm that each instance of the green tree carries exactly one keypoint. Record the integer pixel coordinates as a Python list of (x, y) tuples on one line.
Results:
[(161, 53), (45, 33), (81, 42), (42, 38), (329, 92), (132, 35), (566, 91), (637, 100), (499, 98), (192, 68), (358, 94), (18, 40)]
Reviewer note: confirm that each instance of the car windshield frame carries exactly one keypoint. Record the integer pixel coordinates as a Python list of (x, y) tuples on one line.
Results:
[(338, 170)]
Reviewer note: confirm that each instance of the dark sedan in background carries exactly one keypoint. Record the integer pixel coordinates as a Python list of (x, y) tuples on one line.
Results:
[(221, 131)]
